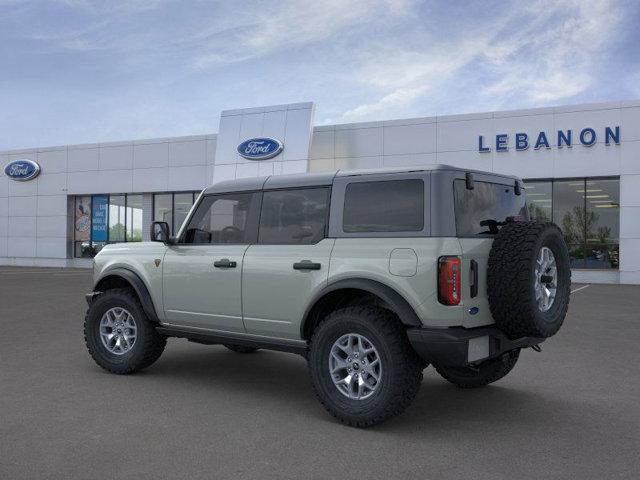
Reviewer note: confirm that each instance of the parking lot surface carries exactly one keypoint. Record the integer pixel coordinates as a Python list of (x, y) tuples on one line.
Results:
[(572, 411)]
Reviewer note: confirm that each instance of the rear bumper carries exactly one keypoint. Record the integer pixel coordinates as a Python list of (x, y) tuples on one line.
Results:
[(458, 346)]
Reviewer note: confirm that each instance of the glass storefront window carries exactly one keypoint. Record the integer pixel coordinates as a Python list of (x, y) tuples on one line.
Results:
[(603, 226), (102, 219), (182, 203), (163, 208), (568, 209), (588, 213), (539, 198), (134, 218), (173, 208), (569, 215), (586, 210), (117, 218)]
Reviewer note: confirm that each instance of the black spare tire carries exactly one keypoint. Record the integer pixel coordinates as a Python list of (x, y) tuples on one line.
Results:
[(529, 279)]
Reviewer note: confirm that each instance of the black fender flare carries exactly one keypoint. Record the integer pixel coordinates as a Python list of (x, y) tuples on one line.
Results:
[(398, 304), (133, 279)]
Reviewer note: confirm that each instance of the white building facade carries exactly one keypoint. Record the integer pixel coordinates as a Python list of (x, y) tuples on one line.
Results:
[(581, 165)]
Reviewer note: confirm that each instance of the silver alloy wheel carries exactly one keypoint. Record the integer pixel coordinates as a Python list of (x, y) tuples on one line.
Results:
[(546, 279), (354, 366), (118, 330)]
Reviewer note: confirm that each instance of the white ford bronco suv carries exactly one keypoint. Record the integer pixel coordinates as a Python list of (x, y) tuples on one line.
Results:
[(371, 275)]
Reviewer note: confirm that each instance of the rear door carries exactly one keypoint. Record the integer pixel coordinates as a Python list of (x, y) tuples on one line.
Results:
[(202, 273), (478, 213), (290, 262)]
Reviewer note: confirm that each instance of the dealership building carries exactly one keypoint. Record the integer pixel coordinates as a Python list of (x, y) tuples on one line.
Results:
[(581, 165)]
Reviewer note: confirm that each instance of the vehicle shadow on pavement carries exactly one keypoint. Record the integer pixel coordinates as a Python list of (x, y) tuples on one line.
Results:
[(280, 381)]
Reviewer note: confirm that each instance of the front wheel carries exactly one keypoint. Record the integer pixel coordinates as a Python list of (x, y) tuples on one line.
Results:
[(362, 366), (487, 372), (118, 334)]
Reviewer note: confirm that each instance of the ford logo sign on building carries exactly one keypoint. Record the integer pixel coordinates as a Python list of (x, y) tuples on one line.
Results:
[(260, 148), (22, 170)]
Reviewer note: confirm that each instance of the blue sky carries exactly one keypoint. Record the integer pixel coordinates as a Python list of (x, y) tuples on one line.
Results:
[(77, 71)]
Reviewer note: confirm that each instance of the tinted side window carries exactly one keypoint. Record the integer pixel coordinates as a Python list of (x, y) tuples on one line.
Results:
[(489, 203), (385, 206), (294, 216), (223, 219)]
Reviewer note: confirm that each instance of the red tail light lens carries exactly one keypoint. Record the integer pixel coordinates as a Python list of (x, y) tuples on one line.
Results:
[(449, 280)]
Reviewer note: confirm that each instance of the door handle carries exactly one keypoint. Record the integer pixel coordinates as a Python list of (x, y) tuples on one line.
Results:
[(224, 263), (306, 265)]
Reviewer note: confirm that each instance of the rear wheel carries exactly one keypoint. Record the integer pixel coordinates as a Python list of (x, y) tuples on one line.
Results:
[(483, 374), (240, 348), (362, 366), (119, 335)]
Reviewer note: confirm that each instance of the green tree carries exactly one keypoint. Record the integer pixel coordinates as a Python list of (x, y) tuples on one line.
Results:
[(116, 233), (538, 213), (576, 223)]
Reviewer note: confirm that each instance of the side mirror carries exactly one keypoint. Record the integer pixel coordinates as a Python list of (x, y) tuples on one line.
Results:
[(160, 232)]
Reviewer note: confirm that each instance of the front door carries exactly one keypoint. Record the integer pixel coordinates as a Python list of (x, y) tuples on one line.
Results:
[(290, 262), (202, 272)]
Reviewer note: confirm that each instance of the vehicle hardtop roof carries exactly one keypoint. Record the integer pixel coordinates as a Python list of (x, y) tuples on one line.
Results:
[(326, 178)]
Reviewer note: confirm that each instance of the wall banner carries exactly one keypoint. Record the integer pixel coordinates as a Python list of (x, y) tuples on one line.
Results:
[(99, 221), (82, 219)]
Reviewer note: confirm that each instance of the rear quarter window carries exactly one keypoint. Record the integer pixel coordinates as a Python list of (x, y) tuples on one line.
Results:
[(487, 202), (384, 206)]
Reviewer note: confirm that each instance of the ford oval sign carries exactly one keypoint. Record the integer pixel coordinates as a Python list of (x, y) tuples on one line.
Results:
[(260, 148), (22, 170)]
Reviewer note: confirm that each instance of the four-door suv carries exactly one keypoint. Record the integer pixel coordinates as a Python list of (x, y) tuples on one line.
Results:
[(371, 275)]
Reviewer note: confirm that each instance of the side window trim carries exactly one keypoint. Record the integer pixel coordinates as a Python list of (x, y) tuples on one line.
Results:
[(325, 234)]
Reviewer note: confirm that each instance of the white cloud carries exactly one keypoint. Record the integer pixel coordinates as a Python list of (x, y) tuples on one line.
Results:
[(287, 25), (160, 68), (555, 63), (397, 98), (544, 52)]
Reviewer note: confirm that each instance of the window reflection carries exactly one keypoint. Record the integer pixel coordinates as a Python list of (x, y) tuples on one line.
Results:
[(588, 213), (117, 218), (134, 218), (182, 204), (163, 209), (93, 213), (173, 208), (568, 209), (603, 226), (539, 199)]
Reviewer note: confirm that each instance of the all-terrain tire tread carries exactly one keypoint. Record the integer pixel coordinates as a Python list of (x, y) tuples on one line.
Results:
[(405, 386), (509, 278), (152, 344)]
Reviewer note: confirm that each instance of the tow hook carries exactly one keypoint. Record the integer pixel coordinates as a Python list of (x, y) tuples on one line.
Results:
[(536, 348)]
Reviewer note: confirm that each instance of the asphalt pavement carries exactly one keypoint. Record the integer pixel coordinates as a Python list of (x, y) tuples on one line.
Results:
[(571, 411)]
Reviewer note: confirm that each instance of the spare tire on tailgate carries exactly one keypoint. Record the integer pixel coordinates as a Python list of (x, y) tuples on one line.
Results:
[(529, 279)]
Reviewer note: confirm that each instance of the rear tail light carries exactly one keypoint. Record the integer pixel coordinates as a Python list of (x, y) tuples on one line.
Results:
[(449, 280)]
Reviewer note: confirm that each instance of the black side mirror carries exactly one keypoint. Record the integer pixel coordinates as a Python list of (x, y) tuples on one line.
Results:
[(160, 232)]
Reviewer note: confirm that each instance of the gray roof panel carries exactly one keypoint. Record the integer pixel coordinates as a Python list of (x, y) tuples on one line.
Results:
[(416, 168), (300, 180), (326, 178), (237, 185)]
